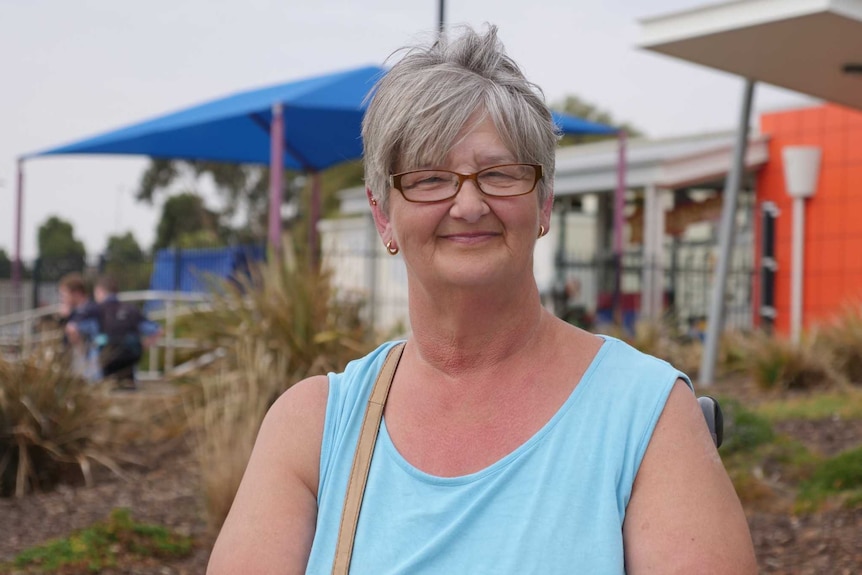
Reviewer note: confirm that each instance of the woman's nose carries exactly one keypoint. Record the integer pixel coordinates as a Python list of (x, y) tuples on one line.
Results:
[(469, 203)]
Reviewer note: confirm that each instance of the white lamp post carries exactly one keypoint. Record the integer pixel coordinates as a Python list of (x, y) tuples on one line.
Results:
[(801, 169)]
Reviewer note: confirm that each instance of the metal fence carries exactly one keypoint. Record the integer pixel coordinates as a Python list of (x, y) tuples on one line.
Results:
[(686, 280), (589, 290)]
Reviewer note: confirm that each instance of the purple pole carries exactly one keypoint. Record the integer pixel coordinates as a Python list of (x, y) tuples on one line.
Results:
[(19, 208), (315, 217), (620, 195), (276, 171), (619, 207)]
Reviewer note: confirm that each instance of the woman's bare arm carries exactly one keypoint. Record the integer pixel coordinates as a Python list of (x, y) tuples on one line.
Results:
[(684, 515), (270, 526)]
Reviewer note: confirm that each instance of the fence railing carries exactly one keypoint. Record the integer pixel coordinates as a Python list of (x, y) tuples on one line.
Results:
[(20, 332), (604, 293)]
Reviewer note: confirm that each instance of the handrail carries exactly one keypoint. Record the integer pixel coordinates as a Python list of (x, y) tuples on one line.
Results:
[(27, 320)]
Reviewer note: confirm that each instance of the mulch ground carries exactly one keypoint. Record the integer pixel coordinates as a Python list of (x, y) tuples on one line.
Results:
[(163, 488)]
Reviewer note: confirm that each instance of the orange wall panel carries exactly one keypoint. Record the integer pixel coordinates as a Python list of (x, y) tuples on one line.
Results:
[(833, 227)]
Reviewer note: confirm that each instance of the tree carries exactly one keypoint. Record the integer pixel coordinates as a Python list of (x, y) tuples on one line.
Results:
[(124, 259), (185, 220), (124, 249), (56, 240), (245, 190), (59, 251), (575, 106), (5, 265)]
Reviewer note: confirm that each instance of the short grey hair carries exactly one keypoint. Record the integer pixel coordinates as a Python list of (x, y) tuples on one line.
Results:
[(421, 105)]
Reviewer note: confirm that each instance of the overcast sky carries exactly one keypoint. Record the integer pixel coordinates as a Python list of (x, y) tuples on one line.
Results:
[(75, 69)]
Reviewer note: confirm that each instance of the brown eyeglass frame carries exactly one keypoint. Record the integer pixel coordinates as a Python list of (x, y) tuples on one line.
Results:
[(395, 181)]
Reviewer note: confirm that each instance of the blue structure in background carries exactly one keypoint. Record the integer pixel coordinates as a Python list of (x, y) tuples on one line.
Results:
[(193, 270)]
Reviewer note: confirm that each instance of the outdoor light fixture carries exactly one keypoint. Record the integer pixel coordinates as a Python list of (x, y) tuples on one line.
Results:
[(852, 68), (801, 170)]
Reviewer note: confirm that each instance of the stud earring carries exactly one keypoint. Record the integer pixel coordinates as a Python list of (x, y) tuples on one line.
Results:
[(541, 230), (392, 251), (373, 202)]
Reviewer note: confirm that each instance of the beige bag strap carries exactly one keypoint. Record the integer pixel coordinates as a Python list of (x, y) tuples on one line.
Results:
[(362, 461)]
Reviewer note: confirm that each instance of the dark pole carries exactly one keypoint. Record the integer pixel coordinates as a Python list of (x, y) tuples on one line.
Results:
[(19, 209), (276, 174), (441, 20), (735, 180), (619, 222)]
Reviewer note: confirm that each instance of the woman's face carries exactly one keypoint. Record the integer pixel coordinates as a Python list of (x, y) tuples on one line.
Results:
[(471, 239)]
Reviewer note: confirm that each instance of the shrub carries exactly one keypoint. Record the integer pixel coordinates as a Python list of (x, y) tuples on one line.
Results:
[(733, 352), (776, 363), (839, 476), (225, 417), (842, 341), (664, 340), (744, 430), (295, 314), (109, 543), (50, 422), (280, 325)]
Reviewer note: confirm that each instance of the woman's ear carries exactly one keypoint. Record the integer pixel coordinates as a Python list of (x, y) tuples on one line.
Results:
[(381, 218), (545, 212)]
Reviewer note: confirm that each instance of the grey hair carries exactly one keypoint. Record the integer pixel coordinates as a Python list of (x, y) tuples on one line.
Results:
[(421, 105)]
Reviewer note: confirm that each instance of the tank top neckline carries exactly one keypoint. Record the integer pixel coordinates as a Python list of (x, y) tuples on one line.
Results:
[(386, 444)]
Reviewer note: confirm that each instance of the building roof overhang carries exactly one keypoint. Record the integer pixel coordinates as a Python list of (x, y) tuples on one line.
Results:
[(670, 163), (802, 45)]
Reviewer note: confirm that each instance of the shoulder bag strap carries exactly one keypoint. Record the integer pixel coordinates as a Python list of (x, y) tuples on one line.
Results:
[(362, 461)]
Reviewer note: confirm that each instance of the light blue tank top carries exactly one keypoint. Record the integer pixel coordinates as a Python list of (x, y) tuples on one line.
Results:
[(555, 505)]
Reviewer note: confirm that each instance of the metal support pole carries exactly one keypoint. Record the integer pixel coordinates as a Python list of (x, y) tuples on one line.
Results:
[(276, 172), (715, 317), (19, 209), (649, 261), (796, 269), (313, 241), (441, 17), (619, 220)]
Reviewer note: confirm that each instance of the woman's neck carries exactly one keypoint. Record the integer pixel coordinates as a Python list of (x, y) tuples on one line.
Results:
[(469, 329)]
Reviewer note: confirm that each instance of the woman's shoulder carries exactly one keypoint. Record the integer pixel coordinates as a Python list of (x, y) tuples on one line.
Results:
[(312, 394), (355, 382), (628, 365)]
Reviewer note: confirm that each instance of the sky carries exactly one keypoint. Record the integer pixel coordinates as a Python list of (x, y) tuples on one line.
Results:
[(69, 70)]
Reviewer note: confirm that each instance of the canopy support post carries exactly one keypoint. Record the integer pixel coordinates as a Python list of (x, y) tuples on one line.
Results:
[(313, 251), (715, 317), (276, 174), (619, 207), (19, 209)]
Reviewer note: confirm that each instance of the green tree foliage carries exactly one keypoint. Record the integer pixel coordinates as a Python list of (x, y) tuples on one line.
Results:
[(575, 106), (245, 191), (5, 265), (185, 219), (242, 188), (56, 240), (124, 248), (125, 260)]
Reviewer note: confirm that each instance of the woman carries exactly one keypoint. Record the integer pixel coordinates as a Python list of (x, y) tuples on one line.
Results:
[(512, 442)]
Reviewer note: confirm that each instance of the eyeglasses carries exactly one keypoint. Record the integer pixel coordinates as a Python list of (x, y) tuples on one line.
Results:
[(504, 181)]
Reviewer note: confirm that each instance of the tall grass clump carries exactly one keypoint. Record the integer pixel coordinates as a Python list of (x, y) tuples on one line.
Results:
[(50, 423), (225, 417), (663, 339), (778, 364), (280, 325), (292, 311), (842, 341)]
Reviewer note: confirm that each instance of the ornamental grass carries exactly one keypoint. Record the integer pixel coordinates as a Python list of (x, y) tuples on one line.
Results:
[(52, 424), (281, 324)]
